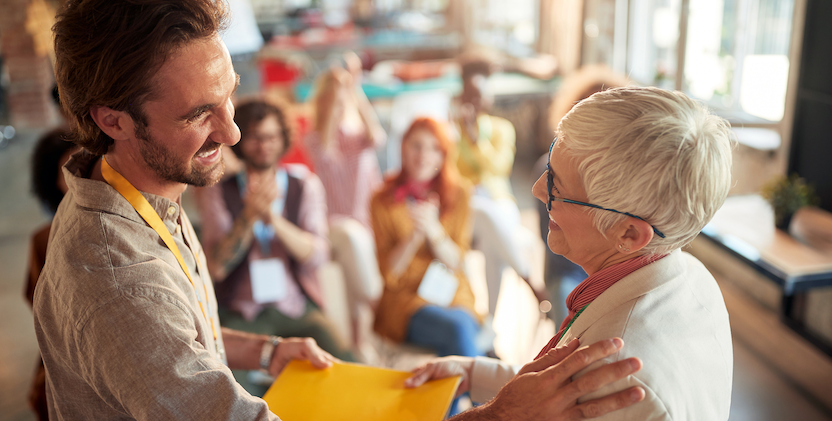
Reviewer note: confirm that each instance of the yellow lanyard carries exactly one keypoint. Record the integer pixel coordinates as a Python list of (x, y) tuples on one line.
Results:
[(140, 204)]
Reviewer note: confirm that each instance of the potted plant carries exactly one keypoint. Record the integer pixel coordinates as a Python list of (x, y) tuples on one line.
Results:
[(787, 195)]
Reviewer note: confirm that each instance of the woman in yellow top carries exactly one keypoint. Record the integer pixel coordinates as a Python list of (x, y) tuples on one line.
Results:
[(421, 223), (486, 158)]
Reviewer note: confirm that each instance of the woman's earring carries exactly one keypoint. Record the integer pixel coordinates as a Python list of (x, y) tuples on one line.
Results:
[(621, 246)]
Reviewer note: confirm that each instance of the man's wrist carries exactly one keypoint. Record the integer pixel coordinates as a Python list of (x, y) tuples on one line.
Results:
[(268, 350), (483, 412)]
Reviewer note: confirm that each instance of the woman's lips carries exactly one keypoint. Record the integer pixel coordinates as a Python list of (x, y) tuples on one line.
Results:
[(553, 226)]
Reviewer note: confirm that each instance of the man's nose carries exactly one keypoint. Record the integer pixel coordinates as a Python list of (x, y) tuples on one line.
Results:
[(226, 131)]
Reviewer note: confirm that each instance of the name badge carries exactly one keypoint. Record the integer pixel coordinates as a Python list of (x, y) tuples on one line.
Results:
[(268, 280), (438, 285)]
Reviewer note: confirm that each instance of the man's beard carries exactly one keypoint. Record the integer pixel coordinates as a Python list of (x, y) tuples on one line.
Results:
[(167, 168)]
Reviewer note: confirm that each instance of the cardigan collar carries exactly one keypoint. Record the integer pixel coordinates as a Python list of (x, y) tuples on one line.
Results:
[(661, 273)]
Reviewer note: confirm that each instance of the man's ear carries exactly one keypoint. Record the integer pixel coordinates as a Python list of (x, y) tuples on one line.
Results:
[(634, 235), (116, 124)]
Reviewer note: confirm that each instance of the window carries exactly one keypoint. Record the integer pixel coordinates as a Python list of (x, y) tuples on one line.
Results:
[(507, 25), (733, 54), (737, 55)]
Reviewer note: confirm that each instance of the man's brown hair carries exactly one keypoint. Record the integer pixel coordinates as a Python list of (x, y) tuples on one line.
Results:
[(252, 112), (108, 51)]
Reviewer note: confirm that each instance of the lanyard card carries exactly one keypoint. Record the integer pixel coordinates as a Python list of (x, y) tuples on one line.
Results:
[(438, 285), (268, 280)]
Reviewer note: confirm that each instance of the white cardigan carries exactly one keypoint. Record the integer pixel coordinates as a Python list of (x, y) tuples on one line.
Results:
[(672, 316)]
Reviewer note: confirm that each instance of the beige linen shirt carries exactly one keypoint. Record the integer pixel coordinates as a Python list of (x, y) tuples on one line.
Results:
[(119, 324)]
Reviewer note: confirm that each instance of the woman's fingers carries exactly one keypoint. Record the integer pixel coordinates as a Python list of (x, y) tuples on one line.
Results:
[(420, 375)]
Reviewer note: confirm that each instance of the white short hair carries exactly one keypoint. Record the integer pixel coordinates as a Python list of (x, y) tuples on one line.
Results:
[(653, 153)]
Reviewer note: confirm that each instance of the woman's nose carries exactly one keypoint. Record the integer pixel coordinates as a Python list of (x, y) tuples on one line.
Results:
[(539, 188)]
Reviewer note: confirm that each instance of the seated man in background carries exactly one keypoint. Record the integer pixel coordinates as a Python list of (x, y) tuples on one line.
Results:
[(265, 234)]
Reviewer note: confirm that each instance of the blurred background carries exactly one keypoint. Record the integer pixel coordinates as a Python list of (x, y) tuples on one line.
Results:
[(765, 65)]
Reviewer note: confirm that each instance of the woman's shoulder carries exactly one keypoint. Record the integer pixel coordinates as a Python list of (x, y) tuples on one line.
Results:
[(383, 196), (463, 190)]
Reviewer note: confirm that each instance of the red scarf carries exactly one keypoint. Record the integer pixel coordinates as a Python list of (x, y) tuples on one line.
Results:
[(595, 285), (416, 189)]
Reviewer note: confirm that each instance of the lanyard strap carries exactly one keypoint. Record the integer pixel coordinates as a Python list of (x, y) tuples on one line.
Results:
[(140, 204), (572, 321)]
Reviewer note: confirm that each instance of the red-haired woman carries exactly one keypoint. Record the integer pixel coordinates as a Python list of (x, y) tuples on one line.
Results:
[(422, 229)]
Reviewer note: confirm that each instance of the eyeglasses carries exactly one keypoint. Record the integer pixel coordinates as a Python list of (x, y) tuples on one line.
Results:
[(552, 198)]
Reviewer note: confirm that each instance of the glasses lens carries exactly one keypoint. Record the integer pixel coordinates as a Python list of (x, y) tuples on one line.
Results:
[(549, 182)]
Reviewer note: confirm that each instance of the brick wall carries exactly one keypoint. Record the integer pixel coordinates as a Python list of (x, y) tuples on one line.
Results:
[(28, 65)]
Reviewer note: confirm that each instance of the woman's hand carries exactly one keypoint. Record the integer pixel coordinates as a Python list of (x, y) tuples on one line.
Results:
[(425, 215), (441, 368)]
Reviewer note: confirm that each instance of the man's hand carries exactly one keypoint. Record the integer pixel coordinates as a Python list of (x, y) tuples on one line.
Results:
[(441, 368), (261, 191), (544, 390), (539, 393), (299, 349)]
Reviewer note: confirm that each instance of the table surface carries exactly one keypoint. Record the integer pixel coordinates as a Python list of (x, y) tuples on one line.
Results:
[(745, 224)]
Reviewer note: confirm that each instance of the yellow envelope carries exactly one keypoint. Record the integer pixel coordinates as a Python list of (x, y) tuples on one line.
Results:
[(356, 392)]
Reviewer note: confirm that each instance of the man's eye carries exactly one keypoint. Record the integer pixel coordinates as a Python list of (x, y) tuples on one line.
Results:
[(196, 117)]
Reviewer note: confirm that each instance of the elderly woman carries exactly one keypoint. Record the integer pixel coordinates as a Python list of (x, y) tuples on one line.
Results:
[(633, 175)]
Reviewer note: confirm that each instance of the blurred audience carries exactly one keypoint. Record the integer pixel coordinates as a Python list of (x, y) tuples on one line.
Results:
[(486, 157), (51, 153), (265, 236), (559, 274), (421, 223)]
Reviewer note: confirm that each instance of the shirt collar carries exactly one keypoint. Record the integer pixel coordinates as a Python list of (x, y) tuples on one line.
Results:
[(100, 196)]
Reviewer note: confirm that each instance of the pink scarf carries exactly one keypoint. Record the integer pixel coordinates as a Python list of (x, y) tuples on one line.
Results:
[(416, 189)]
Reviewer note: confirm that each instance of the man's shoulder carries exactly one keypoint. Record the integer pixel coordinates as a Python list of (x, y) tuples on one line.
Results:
[(299, 171), (94, 256), (308, 180)]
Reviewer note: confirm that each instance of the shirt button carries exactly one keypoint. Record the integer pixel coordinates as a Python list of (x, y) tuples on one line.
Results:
[(178, 229), (171, 210)]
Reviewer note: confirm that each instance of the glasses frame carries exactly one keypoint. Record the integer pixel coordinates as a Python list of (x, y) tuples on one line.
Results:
[(552, 198)]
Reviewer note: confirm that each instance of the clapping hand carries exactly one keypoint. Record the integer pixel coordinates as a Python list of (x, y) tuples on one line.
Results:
[(468, 116), (261, 191), (425, 216)]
